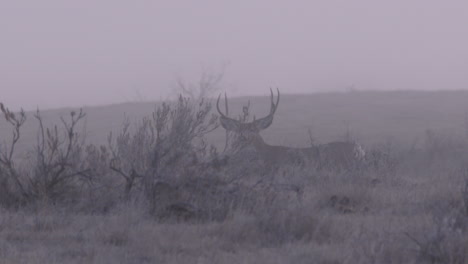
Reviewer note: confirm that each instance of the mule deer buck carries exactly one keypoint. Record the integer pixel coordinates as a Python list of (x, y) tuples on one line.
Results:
[(333, 155)]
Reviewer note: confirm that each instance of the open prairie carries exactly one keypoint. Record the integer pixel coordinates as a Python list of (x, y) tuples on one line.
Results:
[(132, 202), (372, 117)]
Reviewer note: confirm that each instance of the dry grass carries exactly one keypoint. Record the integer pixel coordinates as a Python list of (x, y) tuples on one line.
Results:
[(403, 219)]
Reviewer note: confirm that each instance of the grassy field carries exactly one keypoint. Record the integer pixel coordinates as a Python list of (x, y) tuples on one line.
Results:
[(371, 117), (412, 207), (338, 220)]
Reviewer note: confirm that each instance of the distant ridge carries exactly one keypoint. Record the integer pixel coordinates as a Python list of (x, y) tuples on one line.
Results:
[(371, 116)]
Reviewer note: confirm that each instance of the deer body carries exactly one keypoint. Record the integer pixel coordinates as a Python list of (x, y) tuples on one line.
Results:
[(333, 155)]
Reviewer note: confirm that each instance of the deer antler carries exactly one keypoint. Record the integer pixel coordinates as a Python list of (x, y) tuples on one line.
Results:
[(226, 106)]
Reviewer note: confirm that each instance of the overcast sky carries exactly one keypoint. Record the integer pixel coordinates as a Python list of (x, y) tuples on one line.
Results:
[(57, 53)]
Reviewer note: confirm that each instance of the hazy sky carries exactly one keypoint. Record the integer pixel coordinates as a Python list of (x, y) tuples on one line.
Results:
[(57, 53)]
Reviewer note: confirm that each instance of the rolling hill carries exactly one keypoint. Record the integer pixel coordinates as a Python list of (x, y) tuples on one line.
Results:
[(370, 116)]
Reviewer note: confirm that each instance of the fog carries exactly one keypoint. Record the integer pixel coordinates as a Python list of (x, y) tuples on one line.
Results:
[(72, 53)]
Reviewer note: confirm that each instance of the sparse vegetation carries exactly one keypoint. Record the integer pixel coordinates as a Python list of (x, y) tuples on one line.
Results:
[(157, 192)]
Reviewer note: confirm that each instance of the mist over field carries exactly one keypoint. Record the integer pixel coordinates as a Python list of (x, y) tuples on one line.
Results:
[(401, 117), (124, 152)]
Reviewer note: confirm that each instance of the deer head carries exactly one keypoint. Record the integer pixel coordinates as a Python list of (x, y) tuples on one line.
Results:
[(248, 132)]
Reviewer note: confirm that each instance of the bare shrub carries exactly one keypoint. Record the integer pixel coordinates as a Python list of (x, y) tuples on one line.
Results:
[(97, 187), (208, 84), (169, 150), (12, 189), (96, 161), (58, 167), (447, 240), (55, 167), (131, 153), (180, 132)]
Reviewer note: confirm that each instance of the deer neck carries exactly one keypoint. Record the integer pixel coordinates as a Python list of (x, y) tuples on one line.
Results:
[(259, 144)]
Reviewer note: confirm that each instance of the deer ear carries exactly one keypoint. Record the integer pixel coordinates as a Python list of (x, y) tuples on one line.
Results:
[(230, 124), (263, 123)]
